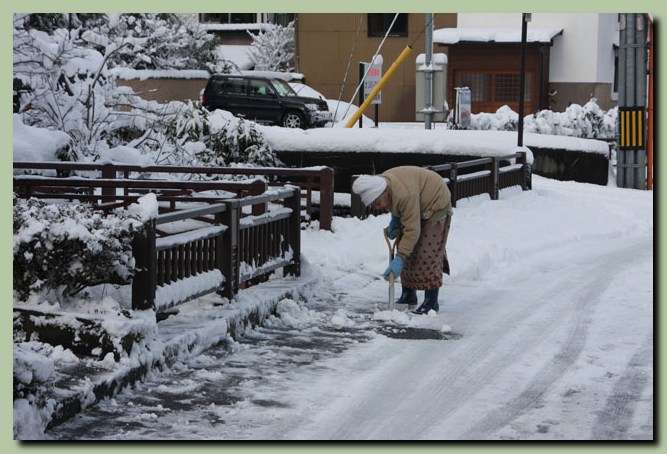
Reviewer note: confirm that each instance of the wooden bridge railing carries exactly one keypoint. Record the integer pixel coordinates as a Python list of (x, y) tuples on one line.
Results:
[(477, 176), (112, 193), (222, 257)]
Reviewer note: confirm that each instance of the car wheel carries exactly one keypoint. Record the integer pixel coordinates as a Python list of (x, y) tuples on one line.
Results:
[(293, 119)]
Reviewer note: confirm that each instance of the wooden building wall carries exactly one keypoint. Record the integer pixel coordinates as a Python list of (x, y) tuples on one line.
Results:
[(500, 58), (325, 42)]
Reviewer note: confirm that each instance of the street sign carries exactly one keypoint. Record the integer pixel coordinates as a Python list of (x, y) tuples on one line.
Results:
[(463, 107), (373, 76)]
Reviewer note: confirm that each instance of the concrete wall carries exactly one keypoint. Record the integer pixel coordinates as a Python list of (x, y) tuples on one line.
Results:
[(166, 89)]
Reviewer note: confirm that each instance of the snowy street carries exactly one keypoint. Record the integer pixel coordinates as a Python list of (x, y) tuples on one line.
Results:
[(547, 334)]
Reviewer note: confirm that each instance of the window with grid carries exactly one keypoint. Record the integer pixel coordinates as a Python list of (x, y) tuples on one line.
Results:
[(501, 87), (378, 24), (228, 18), (480, 86)]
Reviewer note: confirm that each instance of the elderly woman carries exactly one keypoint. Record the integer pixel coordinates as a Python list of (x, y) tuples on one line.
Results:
[(420, 205)]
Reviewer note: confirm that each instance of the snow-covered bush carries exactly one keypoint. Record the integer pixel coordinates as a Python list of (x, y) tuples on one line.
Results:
[(67, 247), (588, 121), (272, 49), (190, 135)]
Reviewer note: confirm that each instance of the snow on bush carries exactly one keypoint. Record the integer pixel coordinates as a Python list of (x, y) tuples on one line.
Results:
[(588, 121), (67, 247)]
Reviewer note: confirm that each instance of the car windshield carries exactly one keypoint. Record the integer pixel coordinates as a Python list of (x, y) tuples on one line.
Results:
[(283, 88)]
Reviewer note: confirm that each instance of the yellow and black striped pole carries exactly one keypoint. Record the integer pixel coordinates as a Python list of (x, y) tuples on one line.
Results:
[(632, 128)]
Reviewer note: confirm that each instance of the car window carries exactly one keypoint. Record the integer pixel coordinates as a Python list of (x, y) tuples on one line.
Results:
[(217, 86), (235, 87), (259, 88), (282, 87)]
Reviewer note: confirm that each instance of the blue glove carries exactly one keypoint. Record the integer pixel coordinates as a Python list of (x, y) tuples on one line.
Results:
[(396, 266), (394, 227)]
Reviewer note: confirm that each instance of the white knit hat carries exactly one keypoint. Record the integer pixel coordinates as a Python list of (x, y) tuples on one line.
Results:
[(369, 187)]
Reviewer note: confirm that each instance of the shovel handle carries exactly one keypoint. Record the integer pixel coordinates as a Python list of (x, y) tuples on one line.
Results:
[(389, 245), (392, 250)]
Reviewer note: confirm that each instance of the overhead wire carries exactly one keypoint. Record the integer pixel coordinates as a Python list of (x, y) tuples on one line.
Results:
[(347, 70), (356, 92), (371, 63)]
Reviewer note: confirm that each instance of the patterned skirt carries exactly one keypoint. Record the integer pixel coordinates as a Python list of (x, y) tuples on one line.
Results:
[(423, 269)]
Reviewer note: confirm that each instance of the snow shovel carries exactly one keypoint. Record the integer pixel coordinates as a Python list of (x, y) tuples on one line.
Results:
[(392, 252)]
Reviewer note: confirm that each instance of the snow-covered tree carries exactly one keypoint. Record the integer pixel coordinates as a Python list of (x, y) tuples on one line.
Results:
[(73, 91), (272, 48)]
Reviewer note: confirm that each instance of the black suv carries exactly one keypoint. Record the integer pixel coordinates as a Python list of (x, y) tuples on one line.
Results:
[(264, 100)]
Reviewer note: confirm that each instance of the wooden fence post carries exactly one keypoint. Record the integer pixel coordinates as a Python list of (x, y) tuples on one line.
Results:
[(357, 208), (294, 235), (526, 183), (453, 179), (495, 178), (326, 197), (109, 173), (230, 245), (145, 279), (258, 187)]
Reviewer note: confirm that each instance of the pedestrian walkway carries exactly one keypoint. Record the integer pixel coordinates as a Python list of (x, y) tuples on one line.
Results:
[(195, 327)]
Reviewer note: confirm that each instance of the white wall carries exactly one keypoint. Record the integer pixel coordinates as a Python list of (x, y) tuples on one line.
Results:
[(584, 51)]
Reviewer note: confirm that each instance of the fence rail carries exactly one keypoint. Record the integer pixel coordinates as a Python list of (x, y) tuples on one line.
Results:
[(469, 178), (223, 257), (110, 176)]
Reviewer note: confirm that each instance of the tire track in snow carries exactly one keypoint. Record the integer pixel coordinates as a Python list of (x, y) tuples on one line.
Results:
[(587, 300), (614, 421), (487, 358)]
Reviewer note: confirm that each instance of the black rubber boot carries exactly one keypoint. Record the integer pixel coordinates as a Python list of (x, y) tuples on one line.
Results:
[(408, 296), (430, 302)]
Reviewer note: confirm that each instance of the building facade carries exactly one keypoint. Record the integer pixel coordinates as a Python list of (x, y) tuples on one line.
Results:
[(570, 57), (330, 46)]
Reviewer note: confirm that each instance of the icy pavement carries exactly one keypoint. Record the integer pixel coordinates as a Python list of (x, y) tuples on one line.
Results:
[(225, 390), (549, 308)]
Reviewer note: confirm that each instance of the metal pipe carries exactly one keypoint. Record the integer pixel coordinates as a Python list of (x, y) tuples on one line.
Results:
[(379, 86), (428, 75), (640, 72), (630, 100)]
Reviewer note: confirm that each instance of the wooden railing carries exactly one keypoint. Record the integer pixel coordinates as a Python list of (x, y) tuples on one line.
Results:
[(231, 234), (192, 181), (469, 178), (235, 250), (485, 175)]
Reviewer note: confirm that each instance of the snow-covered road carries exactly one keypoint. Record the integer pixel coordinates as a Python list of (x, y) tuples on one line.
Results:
[(550, 304)]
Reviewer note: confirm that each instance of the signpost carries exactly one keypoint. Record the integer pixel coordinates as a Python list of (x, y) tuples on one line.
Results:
[(371, 73)]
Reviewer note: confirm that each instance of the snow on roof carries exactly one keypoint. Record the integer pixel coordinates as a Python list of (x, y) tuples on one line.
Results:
[(233, 27), (237, 53), (489, 35), (143, 74)]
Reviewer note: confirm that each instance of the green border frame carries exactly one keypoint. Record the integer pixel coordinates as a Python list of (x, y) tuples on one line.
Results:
[(7, 443)]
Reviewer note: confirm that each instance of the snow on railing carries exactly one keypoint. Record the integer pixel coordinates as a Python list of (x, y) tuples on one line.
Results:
[(238, 248)]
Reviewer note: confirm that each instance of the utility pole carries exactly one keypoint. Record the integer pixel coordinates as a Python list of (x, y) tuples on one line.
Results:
[(631, 159), (525, 18)]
